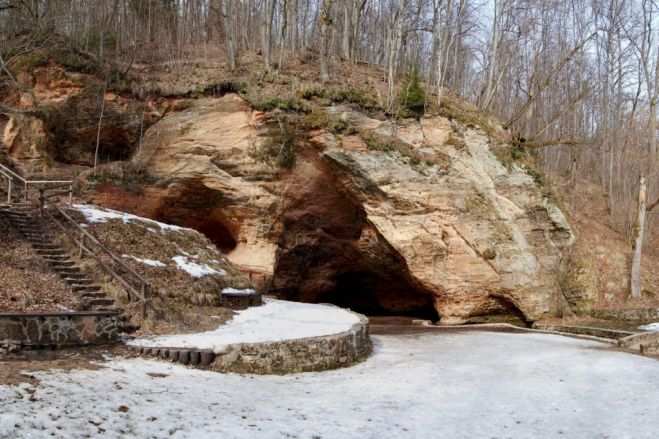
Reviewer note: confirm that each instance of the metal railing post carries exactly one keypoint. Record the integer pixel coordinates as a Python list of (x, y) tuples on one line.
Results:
[(71, 194), (9, 191)]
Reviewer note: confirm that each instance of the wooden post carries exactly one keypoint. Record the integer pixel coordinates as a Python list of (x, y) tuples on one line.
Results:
[(145, 290), (81, 254), (41, 202), (639, 231), (25, 190), (71, 194), (9, 191)]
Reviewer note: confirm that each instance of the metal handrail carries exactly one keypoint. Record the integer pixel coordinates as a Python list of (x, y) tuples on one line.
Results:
[(11, 176), (143, 285)]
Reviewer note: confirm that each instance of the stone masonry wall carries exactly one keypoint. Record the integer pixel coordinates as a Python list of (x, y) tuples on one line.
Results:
[(290, 356), (57, 329), (301, 355)]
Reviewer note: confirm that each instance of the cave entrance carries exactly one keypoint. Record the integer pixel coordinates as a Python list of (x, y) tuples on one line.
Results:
[(218, 234), (211, 227), (375, 294)]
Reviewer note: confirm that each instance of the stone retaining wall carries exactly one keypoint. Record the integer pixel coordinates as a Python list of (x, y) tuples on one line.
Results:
[(57, 329), (628, 315), (645, 342), (279, 357), (584, 330)]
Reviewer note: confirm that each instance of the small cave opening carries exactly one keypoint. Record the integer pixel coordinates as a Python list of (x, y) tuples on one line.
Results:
[(376, 294), (215, 231), (79, 148)]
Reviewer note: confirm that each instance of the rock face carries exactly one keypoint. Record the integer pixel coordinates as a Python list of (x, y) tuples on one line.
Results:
[(62, 122), (434, 226)]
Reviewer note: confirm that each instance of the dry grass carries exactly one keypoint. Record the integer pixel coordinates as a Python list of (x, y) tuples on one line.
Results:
[(146, 240), (27, 284), (609, 249)]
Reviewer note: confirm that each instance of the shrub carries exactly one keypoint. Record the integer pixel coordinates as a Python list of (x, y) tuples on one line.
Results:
[(279, 147), (313, 92), (412, 95), (376, 142), (276, 102)]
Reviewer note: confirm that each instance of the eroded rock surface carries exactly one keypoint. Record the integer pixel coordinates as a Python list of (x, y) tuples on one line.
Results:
[(437, 225)]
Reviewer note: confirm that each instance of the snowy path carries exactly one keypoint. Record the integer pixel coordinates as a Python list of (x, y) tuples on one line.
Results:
[(452, 385), (276, 320)]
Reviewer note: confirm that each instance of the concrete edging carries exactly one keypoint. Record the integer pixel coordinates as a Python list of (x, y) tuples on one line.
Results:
[(278, 357)]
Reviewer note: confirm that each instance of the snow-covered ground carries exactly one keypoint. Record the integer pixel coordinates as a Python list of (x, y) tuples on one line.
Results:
[(443, 385), (274, 321), (195, 269), (650, 327), (95, 214)]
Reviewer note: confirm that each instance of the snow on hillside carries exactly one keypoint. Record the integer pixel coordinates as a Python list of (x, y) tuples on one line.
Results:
[(97, 215)]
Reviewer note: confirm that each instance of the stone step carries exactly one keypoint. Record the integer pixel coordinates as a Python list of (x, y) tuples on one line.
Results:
[(79, 280), (63, 264), (32, 232), (56, 258), (192, 357), (72, 273), (47, 247), (100, 302), (51, 251), (58, 255), (85, 288), (96, 295)]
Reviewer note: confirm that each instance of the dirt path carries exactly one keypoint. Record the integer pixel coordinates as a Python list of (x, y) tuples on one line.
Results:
[(16, 368)]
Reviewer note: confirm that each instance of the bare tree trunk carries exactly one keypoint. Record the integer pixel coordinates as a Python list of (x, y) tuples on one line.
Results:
[(100, 121), (294, 27), (345, 38), (325, 22), (639, 231), (267, 32), (226, 23), (395, 42), (357, 8), (281, 37)]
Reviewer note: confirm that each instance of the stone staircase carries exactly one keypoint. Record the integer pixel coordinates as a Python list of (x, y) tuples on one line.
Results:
[(20, 217)]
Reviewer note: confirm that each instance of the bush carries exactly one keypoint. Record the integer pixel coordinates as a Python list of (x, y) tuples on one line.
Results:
[(275, 102), (313, 92), (412, 95), (354, 97), (377, 142), (279, 148)]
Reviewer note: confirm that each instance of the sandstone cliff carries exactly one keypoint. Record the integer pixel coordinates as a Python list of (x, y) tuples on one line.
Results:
[(419, 217)]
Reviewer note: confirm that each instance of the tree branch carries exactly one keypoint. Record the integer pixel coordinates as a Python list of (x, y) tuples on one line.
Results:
[(652, 206)]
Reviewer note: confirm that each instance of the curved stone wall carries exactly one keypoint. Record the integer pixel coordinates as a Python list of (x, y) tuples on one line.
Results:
[(279, 357)]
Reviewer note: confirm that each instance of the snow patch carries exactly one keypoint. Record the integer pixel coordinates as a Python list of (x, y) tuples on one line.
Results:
[(235, 292), (151, 262), (276, 320), (650, 327), (194, 269), (97, 215)]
